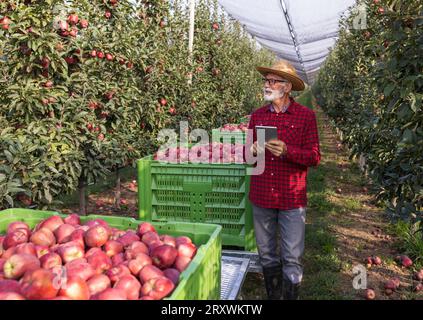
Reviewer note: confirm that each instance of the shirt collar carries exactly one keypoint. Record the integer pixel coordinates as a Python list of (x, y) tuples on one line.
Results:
[(288, 109)]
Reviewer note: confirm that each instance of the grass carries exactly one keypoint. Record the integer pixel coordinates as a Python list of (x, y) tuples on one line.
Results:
[(410, 240)]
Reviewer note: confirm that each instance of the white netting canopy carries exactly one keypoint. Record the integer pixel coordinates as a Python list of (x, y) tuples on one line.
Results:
[(300, 31)]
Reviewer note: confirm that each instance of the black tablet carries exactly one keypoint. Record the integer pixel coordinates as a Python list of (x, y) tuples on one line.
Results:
[(271, 133)]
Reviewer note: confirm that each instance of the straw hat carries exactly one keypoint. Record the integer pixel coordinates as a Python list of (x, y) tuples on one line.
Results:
[(284, 69)]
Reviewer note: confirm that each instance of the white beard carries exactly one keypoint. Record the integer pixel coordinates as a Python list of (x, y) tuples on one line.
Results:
[(272, 95)]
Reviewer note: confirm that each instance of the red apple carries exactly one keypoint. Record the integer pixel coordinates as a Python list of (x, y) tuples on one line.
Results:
[(93, 53), (8, 285), (153, 245), (41, 250), (17, 225), (377, 260), (11, 296), (63, 25), (52, 223), (83, 228), (406, 261), (169, 240), (92, 251), (370, 294), (8, 253), (83, 23), (187, 250), (127, 238), (18, 264), (116, 234), (98, 283), (418, 287), (48, 84), (15, 238), (75, 288), (72, 219), (149, 272), (73, 19), (108, 14), (134, 248), (215, 26), (136, 265), (63, 232), (163, 101), (50, 260), (80, 268), (418, 275), (150, 237), (38, 284), (43, 237), (109, 57), (172, 274), (28, 248), (118, 259), (130, 285), (77, 237), (100, 55), (112, 294), (182, 239), (70, 251), (100, 262), (113, 247), (144, 228), (157, 288), (96, 236), (117, 272), (98, 222), (181, 263), (164, 256), (390, 285)]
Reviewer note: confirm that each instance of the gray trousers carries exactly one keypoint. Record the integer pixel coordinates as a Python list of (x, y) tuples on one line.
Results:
[(291, 225)]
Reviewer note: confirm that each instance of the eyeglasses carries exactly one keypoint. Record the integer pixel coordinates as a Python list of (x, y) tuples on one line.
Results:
[(273, 81)]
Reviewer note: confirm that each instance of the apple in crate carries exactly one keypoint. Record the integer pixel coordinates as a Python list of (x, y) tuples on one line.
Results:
[(157, 288), (130, 285), (18, 264), (39, 284), (98, 283)]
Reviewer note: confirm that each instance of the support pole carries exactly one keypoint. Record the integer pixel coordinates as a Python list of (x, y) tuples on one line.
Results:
[(191, 35)]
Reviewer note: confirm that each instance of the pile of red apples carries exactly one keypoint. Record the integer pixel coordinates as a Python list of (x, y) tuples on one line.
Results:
[(62, 259)]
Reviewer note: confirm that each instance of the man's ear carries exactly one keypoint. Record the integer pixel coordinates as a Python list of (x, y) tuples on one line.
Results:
[(289, 89)]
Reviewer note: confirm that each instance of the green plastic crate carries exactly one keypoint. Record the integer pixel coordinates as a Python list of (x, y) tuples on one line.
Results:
[(200, 281), (200, 193), (228, 136)]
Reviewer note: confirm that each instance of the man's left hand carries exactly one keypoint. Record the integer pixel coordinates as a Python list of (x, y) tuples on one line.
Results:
[(276, 147)]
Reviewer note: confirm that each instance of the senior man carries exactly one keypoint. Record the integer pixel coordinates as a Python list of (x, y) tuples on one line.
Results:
[(279, 194)]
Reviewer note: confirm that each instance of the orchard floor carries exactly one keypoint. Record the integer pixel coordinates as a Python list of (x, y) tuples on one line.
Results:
[(344, 226)]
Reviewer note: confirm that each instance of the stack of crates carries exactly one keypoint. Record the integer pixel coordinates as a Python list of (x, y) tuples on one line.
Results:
[(198, 193)]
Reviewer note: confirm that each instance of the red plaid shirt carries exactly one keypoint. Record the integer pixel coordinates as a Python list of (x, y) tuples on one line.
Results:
[(283, 184)]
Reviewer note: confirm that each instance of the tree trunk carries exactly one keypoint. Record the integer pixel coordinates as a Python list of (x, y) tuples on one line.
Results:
[(82, 197), (118, 189)]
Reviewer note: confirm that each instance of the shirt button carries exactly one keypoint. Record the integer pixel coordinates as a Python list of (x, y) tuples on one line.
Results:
[(271, 174), (273, 159)]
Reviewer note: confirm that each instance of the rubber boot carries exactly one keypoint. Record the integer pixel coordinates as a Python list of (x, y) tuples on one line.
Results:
[(290, 290), (273, 282)]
